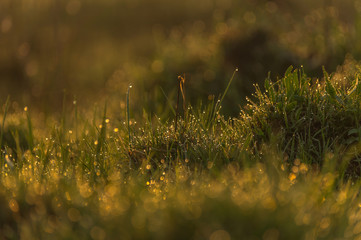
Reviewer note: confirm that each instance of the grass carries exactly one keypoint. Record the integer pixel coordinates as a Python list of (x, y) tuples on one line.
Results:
[(206, 40), (309, 118), (286, 168)]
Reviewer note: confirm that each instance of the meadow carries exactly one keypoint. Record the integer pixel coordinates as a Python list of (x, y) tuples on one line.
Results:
[(284, 168), (189, 122)]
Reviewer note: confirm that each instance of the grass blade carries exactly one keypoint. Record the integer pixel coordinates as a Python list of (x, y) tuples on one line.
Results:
[(128, 117), (3, 122)]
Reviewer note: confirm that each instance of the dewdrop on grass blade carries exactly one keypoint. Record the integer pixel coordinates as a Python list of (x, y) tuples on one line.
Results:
[(132, 160)]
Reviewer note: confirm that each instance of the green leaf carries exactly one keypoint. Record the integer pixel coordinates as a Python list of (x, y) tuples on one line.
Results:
[(353, 131), (289, 71), (331, 91)]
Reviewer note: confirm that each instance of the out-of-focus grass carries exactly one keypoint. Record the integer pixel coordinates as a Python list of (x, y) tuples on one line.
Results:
[(180, 204), (96, 48), (211, 178)]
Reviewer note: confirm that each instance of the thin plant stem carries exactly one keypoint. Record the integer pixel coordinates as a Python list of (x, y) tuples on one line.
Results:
[(128, 117), (3, 122), (180, 91)]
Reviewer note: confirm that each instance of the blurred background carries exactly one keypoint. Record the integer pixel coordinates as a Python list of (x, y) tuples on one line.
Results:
[(92, 50)]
